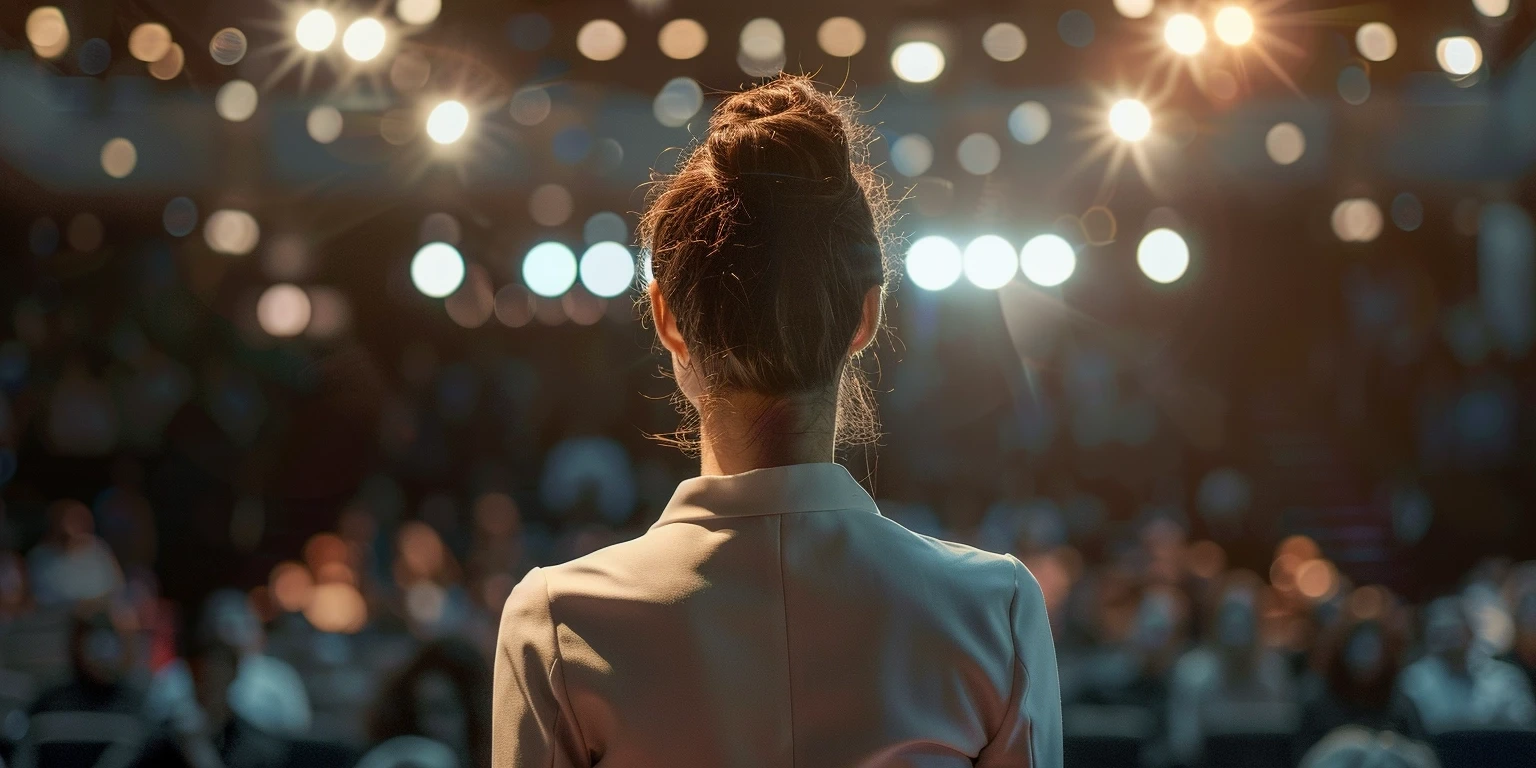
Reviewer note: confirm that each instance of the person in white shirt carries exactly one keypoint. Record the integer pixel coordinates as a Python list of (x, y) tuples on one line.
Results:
[(1458, 685), (772, 616)]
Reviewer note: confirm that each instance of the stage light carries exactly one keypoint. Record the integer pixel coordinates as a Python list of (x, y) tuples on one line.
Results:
[(316, 30), (990, 262), (47, 31), (169, 65), (1376, 41), (682, 39), (600, 40), (1163, 255), (1047, 260), (1134, 9), (1185, 34), (979, 154), (1459, 55), (917, 62), (934, 263), (1029, 122), (1285, 143), (324, 124), (231, 232), (437, 270), (607, 269), (550, 205), (236, 101), (227, 46), (762, 40), (447, 122), (1357, 220), (1491, 8), (283, 310), (840, 36), (1004, 41), (549, 269), (118, 158), (364, 39), (149, 42), (418, 12), (1130, 120), (1234, 25)]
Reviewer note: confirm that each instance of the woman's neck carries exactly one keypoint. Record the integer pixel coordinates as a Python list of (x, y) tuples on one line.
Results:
[(743, 431)]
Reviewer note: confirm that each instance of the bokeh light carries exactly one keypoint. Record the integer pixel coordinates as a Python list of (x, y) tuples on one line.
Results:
[(1354, 85), (934, 263), (762, 39), (1163, 255), (979, 154), (437, 270), (337, 607), (149, 42), (1076, 28), (1004, 41), (409, 71), (324, 123), (600, 40), (912, 154), (448, 121), (474, 302), (551, 205), (1029, 123), (989, 262), (1491, 8), (1357, 220), (364, 39), (1184, 33), (1135, 9), (607, 269), (227, 46), (47, 31), (1234, 25), (418, 12), (1130, 120), (169, 65), (840, 36), (1459, 55), (1316, 579), (283, 310), (1407, 212), (549, 269), (316, 30), (678, 101), (1047, 260), (95, 56), (530, 106), (236, 101), (514, 306), (682, 39), (1376, 41), (118, 157), (231, 232), (179, 217), (918, 61), (1285, 143), (291, 585)]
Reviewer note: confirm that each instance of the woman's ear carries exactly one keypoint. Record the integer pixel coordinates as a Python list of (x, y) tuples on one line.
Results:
[(869, 322), (666, 325)]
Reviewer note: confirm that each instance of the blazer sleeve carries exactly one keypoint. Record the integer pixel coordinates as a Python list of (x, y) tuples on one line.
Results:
[(1030, 736), (531, 720)]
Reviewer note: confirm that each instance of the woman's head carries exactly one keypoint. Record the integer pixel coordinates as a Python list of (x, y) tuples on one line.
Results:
[(767, 248)]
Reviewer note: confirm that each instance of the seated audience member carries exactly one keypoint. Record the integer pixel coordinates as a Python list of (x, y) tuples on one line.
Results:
[(1523, 602), (216, 734), (1355, 672), (97, 711), (1356, 747), (443, 696), (1458, 685), (1230, 675), (267, 691), (71, 563)]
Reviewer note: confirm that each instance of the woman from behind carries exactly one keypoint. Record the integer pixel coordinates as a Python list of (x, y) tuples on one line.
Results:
[(772, 616)]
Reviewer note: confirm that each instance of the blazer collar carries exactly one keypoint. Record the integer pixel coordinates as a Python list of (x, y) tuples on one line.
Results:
[(770, 491)]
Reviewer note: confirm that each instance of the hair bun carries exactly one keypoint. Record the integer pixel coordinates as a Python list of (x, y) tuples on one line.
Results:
[(785, 129)]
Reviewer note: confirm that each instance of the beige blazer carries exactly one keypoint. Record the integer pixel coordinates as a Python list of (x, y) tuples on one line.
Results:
[(775, 618)]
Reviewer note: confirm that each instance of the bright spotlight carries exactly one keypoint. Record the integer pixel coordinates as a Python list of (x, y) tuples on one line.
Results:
[(1130, 120), (316, 30), (607, 269), (934, 263), (1459, 55), (447, 122), (364, 39), (1047, 260), (437, 270), (549, 269), (917, 62), (283, 310), (1163, 255), (1234, 25), (1185, 34), (990, 262)]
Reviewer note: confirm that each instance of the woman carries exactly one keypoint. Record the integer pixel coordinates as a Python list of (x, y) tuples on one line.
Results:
[(772, 616)]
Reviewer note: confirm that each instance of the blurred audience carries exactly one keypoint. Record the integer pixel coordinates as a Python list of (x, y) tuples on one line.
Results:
[(1355, 673), (71, 562), (98, 710), (1457, 685), (443, 696)]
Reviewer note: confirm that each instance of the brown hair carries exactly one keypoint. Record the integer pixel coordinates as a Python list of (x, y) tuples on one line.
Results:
[(765, 242)]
